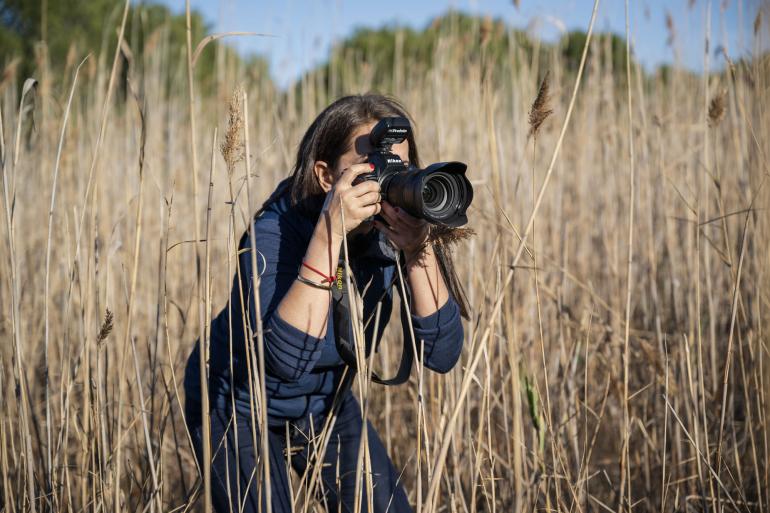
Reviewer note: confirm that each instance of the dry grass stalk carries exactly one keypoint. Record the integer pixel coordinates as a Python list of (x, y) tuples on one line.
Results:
[(199, 285), (9, 72), (65, 119), (625, 500), (485, 30)]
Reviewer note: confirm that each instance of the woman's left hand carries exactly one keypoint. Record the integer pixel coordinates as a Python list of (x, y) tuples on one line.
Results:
[(407, 233)]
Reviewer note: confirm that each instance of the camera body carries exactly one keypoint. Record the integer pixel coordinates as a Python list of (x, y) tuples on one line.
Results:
[(384, 135), (440, 193)]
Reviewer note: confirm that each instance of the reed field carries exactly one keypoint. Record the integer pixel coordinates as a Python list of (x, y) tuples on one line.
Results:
[(619, 275)]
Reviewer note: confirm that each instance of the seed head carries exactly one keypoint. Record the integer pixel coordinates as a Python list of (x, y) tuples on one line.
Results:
[(671, 29), (232, 147), (717, 108), (540, 107), (757, 22), (106, 328)]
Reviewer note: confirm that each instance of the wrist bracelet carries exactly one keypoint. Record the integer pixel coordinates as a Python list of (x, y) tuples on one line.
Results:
[(321, 286), (327, 278)]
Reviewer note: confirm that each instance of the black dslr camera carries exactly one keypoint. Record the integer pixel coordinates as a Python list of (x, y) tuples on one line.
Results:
[(440, 193)]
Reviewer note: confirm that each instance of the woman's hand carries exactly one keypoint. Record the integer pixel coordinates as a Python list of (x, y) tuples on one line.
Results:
[(408, 233), (360, 201)]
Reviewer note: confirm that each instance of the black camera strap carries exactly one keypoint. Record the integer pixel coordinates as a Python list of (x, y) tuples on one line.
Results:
[(343, 328)]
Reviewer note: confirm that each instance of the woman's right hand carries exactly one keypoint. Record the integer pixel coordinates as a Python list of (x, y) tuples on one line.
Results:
[(360, 201)]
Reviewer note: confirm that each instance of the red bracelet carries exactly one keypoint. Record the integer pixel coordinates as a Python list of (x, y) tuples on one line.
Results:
[(326, 277)]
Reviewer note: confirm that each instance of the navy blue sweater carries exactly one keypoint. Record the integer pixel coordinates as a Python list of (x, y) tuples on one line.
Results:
[(302, 371)]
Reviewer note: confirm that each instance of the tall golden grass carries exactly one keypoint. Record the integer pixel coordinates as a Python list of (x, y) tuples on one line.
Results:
[(616, 355)]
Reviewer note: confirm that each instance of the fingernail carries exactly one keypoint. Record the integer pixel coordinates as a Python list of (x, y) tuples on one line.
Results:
[(371, 166)]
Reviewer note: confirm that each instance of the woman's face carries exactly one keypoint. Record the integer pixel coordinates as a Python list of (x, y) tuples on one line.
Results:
[(359, 147), (357, 151)]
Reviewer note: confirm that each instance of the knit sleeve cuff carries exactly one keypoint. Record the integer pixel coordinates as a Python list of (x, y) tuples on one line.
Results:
[(441, 334)]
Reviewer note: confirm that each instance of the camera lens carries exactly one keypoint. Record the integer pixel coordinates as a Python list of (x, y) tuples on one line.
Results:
[(441, 195)]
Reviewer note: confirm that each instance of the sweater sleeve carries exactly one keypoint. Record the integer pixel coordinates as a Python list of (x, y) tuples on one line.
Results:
[(289, 353), (441, 335)]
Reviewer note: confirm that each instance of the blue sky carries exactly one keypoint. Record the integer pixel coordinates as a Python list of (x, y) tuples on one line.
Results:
[(306, 29)]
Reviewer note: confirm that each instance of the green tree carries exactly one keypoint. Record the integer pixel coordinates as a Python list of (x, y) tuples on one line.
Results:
[(469, 39), (571, 45), (25, 23), (60, 26)]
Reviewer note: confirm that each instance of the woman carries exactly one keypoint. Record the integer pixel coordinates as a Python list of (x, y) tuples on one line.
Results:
[(298, 238)]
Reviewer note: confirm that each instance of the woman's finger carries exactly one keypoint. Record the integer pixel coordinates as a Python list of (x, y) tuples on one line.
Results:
[(389, 209), (389, 218), (358, 213), (350, 174), (389, 213), (369, 198), (389, 233), (408, 219), (398, 218), (397, 223), (365, 187), (403, 216), (366, 212)]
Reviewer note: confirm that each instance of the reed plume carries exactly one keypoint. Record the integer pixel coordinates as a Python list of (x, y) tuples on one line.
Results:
[(106, 328), (671, 28), (757, 22), (541, 107), (232, 147), (717, 107)]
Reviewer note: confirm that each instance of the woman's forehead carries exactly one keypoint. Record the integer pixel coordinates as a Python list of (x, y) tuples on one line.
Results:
[(359, 140)]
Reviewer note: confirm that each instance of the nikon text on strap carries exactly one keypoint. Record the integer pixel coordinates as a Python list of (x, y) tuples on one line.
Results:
[(343, 330)]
